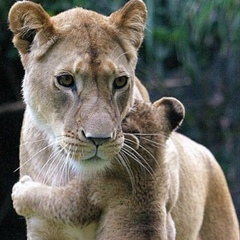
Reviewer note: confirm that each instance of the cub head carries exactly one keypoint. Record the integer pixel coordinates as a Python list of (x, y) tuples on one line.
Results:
[(79, 75), (148, 126)]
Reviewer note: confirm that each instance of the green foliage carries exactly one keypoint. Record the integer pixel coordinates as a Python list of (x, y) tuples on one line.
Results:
[(196, 29), (103, 6)]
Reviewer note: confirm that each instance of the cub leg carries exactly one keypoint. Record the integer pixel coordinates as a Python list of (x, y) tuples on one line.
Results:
[(62, 204), (127, 222)]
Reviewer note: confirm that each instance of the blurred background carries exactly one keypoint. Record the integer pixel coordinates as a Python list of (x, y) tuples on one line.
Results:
[(191, 51)]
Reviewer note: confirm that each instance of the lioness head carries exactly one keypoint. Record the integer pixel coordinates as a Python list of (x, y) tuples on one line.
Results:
[(79, 78)]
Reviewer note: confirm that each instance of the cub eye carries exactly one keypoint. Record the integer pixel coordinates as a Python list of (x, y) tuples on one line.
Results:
[(120, 82), (65, 80)]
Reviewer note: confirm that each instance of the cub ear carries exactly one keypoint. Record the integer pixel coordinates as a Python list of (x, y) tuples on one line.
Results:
[(172, 110), (130, 21), (26, 20)]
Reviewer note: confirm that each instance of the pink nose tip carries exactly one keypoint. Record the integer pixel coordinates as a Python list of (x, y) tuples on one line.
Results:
[(98, 139)]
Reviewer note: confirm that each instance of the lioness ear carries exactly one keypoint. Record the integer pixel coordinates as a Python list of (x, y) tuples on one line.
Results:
[(172, 109), (26, 20), (130, 21)]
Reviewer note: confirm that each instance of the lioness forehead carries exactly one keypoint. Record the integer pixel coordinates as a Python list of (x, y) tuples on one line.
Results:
[(89, 31), (89, 43), (79, 17)]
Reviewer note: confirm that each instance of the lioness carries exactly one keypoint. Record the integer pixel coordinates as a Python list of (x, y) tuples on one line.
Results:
[(79, 84)]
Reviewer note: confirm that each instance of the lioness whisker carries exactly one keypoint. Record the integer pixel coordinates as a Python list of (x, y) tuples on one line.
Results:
[(149, 153), (35, 141), (123, 161), (148, 139), (68, 167), (64, 171), (149, 134), (57, 153), (59, 161), (60, 170), (131, 153), (146, 150), (32, 157), (153, 143), (65, 168), (122, 54), (53, 159), (143, 167), (113, 51), (70, 156), (147, 29), (52, 156)]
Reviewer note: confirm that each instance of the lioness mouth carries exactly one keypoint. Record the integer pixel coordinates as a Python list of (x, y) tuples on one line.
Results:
[(93, 159)]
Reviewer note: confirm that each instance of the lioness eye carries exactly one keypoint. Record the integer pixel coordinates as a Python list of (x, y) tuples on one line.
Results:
[(65, 80), (120, 82)]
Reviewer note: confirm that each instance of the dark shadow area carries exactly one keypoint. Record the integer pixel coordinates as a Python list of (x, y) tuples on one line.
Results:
[(12, 226)]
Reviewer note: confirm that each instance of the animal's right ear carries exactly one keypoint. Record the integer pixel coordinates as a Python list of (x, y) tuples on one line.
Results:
[(26, 20), (171, 109)]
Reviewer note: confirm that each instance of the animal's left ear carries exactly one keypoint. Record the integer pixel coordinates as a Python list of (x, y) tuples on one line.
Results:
[(30, 23), (172, 110), (130, 21)]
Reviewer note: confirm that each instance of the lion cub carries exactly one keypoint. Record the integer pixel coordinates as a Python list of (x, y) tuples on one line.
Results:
[(160, 186), (132, 199)]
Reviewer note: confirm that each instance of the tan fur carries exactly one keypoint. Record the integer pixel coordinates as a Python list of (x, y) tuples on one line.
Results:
[(61, 125), (170, 192)]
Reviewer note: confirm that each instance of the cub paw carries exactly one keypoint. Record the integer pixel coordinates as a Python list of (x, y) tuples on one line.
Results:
[(23, 195)]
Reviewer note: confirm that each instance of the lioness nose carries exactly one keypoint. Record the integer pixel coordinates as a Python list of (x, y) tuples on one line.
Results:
[(97, 140)]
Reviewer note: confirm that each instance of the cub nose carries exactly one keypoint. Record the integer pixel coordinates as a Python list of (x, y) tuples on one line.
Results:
[(97, 140)]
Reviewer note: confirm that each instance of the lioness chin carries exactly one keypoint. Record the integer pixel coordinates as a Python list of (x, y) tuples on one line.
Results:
[(79, 85)]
